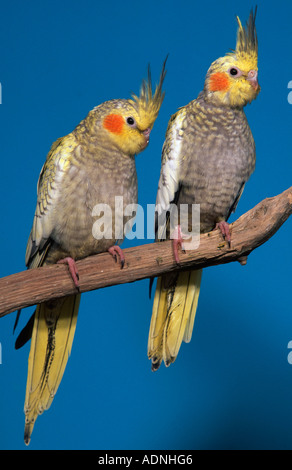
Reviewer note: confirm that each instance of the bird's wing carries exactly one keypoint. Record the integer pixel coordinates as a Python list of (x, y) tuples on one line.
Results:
[(48, 188), (169, 181)]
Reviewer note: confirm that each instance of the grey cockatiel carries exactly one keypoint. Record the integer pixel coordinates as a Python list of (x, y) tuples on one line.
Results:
[(207, 157), (90, 166)]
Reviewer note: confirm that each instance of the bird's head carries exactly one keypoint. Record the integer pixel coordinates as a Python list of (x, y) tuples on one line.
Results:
[(233, 80), (128, 123)]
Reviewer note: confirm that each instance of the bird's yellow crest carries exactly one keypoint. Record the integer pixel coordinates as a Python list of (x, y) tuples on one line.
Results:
[(148, 104), (247, 41)]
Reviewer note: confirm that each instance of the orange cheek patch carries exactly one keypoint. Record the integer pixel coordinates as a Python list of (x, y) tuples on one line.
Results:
[(114, 123), (219, 82)]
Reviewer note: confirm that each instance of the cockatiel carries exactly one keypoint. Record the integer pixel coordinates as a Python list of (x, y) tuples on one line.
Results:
[(91, 165), (207, 157)]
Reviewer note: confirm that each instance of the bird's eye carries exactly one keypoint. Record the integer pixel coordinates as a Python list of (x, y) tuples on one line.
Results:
[(131, 121), (235, 72)]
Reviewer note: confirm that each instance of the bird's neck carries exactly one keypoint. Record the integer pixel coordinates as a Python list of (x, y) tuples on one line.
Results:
[(213, 107)]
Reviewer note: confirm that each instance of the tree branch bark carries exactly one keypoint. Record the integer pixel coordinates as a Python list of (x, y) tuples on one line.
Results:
[(250, 231)]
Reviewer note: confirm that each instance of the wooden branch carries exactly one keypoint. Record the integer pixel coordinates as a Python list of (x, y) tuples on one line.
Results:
[(251, 230)]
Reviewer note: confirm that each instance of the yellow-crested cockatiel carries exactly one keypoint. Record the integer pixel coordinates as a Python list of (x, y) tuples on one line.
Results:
[(207, 157), (91, 165)]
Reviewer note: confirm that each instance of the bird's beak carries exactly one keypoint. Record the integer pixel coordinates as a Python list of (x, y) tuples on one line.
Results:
[(252, 77), (146, 134)]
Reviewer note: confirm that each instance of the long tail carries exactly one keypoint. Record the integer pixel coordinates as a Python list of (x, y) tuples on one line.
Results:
[(173, 315), (51, 342)]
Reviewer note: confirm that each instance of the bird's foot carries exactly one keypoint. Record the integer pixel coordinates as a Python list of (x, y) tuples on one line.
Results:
[(72, 269), (117, 251), (224, 229), (177, 242)]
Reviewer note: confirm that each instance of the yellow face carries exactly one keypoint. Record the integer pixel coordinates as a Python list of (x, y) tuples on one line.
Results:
[(127, 130), (233, 80)]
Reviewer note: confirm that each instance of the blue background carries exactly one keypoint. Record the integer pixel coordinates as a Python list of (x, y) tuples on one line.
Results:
[(231, 387)]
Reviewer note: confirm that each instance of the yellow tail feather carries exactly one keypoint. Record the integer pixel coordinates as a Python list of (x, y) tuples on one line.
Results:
[(51, 343), (173, 315)]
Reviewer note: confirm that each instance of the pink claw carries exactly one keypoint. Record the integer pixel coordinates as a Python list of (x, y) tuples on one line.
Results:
[(176, 242), (116, 250), (72, 269), (224, 229)]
